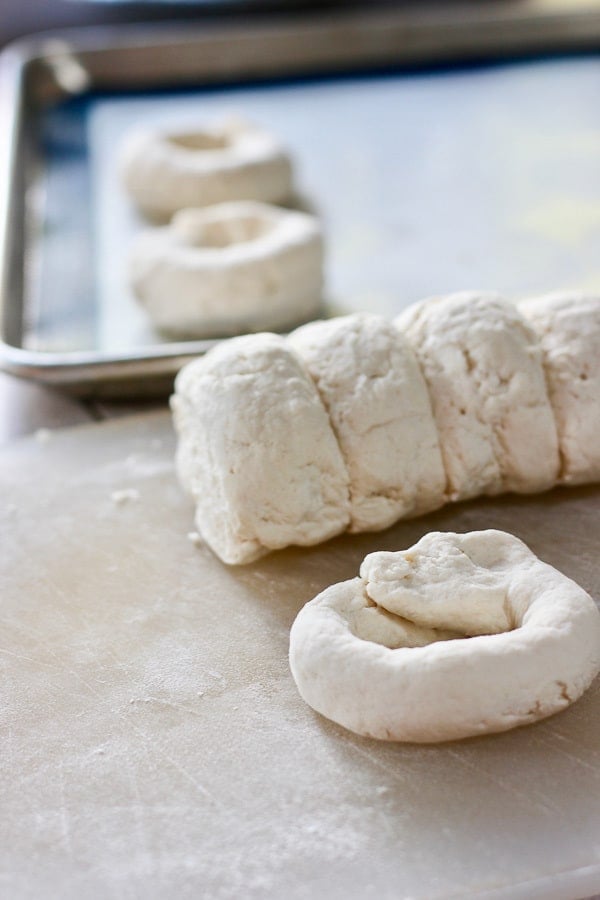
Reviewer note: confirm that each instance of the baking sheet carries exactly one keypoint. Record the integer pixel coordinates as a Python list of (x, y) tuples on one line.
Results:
[(481, 177), (154, 744)]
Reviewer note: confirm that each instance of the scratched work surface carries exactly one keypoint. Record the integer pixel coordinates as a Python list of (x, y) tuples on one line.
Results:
[(154, 745)]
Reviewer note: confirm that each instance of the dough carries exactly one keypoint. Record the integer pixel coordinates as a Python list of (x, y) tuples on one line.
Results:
[(373, 390), (256, 450), (568, 326), (535, 649), (229, 268), (483, 366), (165, 169)]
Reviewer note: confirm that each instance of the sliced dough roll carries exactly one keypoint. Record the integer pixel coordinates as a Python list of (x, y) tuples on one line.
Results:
[(372, 387), (256, 450), (375, 655), (483, 365), (568, 326)]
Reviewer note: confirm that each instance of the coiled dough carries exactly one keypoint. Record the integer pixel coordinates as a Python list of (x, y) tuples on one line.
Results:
[(256, 450), (483, 366), (371, 385), (568, 326), (374, 653), (167, 169), (230, 268)]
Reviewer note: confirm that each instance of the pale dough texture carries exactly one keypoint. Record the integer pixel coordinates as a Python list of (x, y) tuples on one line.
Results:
[(256, 450), (228, 269), (568, 326), (165, 169), (374, 655), (372, 387), (483, 366)]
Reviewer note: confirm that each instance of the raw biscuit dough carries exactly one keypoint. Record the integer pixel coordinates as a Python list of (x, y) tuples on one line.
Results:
[(228, 269), (165, 169), (371, 385), (568, 326), (483, 365), (256, 450), (535, 646)]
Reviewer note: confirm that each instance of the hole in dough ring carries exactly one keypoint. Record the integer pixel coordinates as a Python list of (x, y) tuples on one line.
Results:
[(447, 688), (164, 170), (229, 269)]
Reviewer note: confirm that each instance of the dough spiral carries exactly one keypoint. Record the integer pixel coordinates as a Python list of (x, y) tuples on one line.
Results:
[(375, 653)]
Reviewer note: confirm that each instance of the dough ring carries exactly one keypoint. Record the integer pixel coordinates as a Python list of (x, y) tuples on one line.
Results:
[(167, 169), (228, 269), (379, 654)]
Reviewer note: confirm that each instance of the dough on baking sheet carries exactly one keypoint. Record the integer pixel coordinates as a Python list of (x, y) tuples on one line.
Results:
[(256, 450), (483, 365), (167, 168), (568, 326), (228, 269), (372, 387), (534, 649)]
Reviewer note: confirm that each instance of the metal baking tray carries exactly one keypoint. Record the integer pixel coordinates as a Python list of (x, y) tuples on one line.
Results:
[(479, 174)]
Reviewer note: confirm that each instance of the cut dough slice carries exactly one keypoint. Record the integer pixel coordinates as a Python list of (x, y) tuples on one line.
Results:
[(568, 326), (165, 169), (228, 269), (426, 686), (483, 365), (256, 450), (371, 385)]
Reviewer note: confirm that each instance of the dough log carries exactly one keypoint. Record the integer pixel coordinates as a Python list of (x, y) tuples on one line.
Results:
[(380, 654), (494, 391)]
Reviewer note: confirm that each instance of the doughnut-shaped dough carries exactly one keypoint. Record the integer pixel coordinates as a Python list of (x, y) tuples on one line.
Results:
[(256, 450), (371, 385), (166, 169), (483, 365), (229, 269), (431, 688), (568, 326)]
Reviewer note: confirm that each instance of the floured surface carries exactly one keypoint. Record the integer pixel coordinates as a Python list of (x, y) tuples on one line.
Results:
[(154, 744)]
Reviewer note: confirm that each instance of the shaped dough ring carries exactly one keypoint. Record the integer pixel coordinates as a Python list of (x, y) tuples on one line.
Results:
[(374, 653), (228, 269), (165, 170)]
